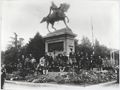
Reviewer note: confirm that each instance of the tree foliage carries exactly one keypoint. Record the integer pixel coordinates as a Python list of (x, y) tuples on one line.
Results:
[(12, 52), (36, 46), (10, 56), (101, 50), (2, 57), (85, 47)]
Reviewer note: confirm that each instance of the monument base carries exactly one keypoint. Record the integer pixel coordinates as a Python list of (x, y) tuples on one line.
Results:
[(60, 41)]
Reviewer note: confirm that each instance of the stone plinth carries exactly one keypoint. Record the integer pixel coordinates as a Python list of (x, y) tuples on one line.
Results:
[(60, 41)]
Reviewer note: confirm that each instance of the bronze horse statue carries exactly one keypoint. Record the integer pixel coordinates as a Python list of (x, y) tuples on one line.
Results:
[(52, 20), (57, 15)]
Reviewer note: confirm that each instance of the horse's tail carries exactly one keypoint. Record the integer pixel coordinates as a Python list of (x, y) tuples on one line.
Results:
[(67, 19)]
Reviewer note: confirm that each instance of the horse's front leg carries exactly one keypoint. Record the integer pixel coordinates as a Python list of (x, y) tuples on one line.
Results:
[(65, 23), (53, 27), (48, 27), (67, 18)]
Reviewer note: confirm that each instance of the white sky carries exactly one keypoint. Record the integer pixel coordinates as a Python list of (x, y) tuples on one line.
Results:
[(24, 16)]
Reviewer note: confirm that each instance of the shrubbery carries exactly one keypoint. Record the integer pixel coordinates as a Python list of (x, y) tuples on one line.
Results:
[(15, 76), (88, 77), (82, 77)]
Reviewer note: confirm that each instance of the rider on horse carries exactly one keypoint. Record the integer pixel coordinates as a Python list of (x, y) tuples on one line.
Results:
[(58, 11), (56, 14)]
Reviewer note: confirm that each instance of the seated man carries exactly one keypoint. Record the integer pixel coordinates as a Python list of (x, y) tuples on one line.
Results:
[(42, 64)]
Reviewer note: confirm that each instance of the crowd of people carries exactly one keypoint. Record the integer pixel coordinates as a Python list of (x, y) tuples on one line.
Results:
[(50, 62), (57, 63), (54, 62)]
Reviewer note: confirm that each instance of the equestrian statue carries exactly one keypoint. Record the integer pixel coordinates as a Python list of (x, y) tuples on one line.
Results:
[(56, 14)]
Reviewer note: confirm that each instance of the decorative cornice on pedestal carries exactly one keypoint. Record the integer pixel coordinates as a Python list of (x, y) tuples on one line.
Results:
[(63, 31)]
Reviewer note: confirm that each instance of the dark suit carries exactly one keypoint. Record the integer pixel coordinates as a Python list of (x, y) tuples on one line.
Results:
[(3, 76)]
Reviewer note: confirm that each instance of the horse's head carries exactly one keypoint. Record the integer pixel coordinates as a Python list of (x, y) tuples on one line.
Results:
[(44, 19)]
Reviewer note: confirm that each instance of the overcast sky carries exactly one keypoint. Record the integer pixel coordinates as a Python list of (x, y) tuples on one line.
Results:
[(24, 16)]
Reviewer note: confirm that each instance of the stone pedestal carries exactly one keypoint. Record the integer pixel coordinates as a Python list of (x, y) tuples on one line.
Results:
[(60, 41)]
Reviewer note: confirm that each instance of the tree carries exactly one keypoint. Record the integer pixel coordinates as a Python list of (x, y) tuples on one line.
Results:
[(16, 42), (36, 46), (101, 50), (86, 41), (12, 52), (85, 47), (2, 57), (10, 56)]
